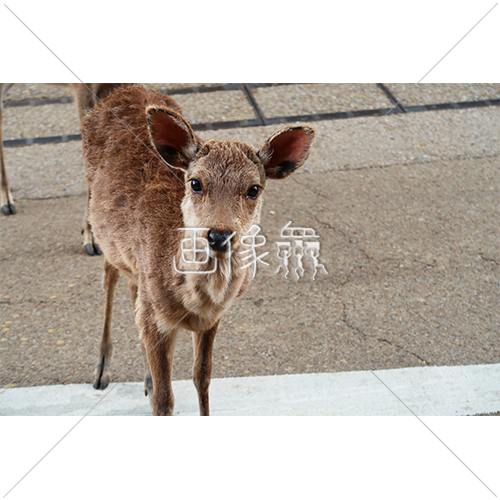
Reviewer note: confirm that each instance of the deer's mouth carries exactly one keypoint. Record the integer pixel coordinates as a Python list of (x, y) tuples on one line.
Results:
[(219, 255), (226, 253)]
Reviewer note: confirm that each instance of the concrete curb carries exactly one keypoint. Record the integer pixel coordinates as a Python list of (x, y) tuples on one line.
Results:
[(437, 391)]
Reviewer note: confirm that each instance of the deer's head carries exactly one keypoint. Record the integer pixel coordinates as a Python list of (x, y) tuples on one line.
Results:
[(224, 180)]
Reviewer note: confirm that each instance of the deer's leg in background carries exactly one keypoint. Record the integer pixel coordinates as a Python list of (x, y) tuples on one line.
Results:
[(6, 201)]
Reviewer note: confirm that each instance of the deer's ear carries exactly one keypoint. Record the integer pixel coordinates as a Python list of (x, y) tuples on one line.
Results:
[(172, 137), (285, 151)]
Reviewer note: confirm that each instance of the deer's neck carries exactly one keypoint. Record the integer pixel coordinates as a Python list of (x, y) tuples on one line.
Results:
[(213, 286)]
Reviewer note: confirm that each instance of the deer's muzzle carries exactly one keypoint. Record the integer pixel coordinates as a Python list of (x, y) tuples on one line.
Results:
[(220, 241)]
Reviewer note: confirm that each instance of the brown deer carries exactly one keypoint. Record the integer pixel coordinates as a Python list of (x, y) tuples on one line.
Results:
[(150, 178), (86, 95)]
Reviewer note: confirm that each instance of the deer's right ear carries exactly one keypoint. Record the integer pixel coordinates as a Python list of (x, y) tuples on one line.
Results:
[(172, 137)]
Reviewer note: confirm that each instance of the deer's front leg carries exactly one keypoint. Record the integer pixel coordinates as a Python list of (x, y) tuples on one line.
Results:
[(148, 381), (203, 343), (110, 280), (159, 348)]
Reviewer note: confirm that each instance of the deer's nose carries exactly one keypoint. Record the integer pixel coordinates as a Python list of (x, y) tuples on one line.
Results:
[(220, 240)]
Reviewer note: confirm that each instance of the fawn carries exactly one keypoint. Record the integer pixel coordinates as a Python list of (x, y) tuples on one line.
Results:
[(86, 95), (150, 177)]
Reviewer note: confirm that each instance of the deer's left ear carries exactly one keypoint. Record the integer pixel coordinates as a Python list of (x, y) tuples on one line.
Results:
[(285, 151)]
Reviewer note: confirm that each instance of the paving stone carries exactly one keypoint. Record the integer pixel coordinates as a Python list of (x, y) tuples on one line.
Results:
[(28, 91), (162, 87), (291, 100), (221, 106), (418, 94), (40, 121), (44, 171)]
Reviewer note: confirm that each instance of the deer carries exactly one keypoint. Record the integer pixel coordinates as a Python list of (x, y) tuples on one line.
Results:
[(151, 179), (86, 95)]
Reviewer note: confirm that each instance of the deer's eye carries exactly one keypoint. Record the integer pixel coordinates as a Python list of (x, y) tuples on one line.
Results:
[(196, 186), (253, 192)]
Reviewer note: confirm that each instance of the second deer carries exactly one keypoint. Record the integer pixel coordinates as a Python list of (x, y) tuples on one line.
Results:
[(151, 178)]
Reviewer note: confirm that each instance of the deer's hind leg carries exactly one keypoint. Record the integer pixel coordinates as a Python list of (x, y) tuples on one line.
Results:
[(110, 280), (86, 96), (91, 246)]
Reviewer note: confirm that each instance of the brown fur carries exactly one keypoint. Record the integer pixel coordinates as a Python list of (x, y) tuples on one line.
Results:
[(139, 202), (86, 95)]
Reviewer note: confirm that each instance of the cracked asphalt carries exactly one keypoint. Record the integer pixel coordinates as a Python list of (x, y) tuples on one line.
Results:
[(406, 208)]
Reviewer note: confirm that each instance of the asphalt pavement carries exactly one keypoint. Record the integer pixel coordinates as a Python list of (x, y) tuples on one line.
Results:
[(402, 189)]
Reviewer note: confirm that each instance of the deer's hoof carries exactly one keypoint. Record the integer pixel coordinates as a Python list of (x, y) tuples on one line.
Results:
[(9, 209), (148, 385), (164, 412), (92, 249), (101, 382)]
